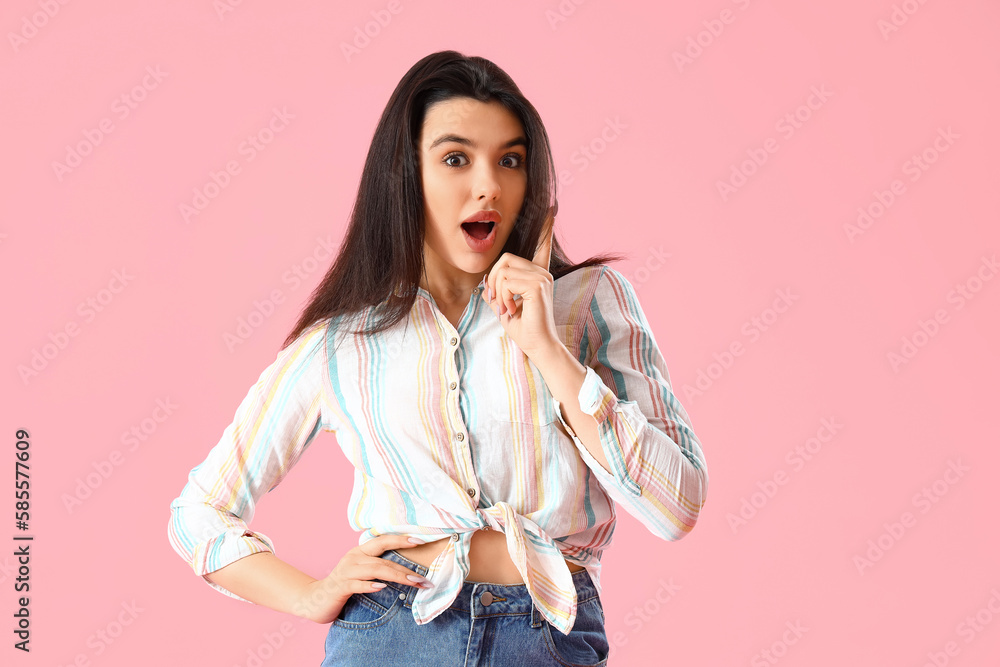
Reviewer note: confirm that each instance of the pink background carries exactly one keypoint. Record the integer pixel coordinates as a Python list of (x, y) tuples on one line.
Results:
[(724, 595)]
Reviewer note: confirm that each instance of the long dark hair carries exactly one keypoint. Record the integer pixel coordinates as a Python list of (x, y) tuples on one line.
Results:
[(380, 261)]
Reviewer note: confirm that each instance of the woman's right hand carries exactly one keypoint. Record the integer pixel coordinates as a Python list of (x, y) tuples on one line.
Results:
[(322, 600)]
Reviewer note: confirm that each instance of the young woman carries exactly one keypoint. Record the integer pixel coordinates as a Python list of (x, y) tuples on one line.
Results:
[(493, 398)]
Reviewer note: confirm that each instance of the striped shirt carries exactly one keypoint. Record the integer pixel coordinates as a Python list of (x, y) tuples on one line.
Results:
[(453, 430)]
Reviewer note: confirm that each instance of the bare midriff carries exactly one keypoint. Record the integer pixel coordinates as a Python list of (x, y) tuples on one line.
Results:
[(489, 560)]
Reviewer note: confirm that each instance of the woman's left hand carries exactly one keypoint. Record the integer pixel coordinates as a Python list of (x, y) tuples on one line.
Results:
[(528, 321)]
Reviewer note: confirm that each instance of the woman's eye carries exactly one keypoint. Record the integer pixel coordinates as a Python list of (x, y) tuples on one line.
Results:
[(515, 157), (511, 161)]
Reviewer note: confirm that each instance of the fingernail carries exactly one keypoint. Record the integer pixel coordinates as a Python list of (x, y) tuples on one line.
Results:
[(377, 586), (420, 580)]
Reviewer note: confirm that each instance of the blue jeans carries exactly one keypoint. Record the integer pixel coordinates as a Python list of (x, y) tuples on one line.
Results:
[(377, 628)]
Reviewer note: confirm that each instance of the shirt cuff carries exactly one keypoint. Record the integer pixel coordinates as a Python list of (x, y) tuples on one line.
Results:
[(229, 548), (598, 401)]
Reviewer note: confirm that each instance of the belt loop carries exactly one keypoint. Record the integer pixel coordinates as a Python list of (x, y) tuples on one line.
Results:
[(536, 616), (410, 594)]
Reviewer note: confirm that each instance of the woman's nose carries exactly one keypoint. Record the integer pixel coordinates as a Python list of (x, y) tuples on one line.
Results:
[(487, 185)]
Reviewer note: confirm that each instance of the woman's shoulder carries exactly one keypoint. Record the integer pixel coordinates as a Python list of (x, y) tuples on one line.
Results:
[(327, 327), (315, 330), (600, 294), (582, 285), (323, 338), (309, 343), (579, 280)]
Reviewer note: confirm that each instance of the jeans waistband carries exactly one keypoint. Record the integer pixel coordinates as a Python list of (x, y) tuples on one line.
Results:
[(504, 599)]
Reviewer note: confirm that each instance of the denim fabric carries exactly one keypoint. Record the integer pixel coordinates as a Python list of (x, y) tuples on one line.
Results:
[(377, 628)]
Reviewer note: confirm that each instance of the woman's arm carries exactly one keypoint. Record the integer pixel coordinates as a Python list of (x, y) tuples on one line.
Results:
[(565, 376), (272, 428), (265, 579), (629, 427)]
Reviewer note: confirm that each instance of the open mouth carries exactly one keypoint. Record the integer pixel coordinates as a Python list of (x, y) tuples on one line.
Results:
[(478, 230)]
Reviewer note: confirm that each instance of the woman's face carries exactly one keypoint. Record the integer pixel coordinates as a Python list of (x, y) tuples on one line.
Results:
[(473, 159)]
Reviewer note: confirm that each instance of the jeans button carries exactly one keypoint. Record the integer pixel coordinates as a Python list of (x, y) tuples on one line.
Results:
[(486, 598)]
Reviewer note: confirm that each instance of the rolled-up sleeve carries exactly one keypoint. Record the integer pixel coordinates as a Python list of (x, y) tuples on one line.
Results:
[(283, 412), (658, 470)]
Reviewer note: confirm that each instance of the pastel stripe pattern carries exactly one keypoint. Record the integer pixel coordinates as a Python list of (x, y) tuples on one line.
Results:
[(452, 429)]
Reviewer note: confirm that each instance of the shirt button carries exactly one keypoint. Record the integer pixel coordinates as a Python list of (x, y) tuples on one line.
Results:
[(486, 598), (454, 538), (471, 492), (454, 341), (453, 385), (460, 436), (475, 291)]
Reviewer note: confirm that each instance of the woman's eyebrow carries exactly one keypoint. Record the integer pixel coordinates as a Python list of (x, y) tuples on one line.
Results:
[(445, 138)]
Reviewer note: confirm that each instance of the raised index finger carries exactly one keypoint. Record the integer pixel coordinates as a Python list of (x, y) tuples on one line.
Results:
[(544, 253)]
